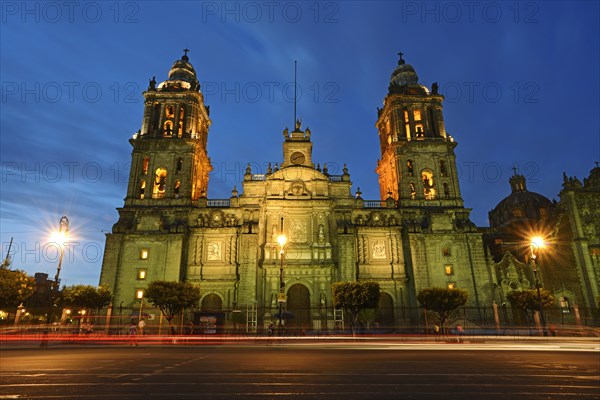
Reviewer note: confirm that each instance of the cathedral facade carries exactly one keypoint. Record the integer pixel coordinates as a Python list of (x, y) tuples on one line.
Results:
[(418, 235)]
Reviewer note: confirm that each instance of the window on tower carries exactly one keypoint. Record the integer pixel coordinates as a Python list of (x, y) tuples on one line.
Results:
[(419, 131), (179, 164), (410, 168), (169, 112), (446, 190), (168, 129), (406, 124), (142, 192), (428, 189), (413, 191), (176, 188), (419, 134), (443, 169), (160, 183), (145, 164), (431, 121)]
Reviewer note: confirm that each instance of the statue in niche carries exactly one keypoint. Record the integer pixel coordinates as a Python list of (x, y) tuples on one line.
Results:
[(323, 300), (321, 233), (274, 300)]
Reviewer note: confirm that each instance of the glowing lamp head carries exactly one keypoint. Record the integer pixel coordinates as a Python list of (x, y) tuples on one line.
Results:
[(537, 242), (282, 240), (58, 237)]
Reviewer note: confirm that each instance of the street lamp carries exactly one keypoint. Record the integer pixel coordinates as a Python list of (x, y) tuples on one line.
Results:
[(282, 240), (536, 244), (59, 238)]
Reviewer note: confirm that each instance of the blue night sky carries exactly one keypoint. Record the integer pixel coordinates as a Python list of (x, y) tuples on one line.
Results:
[(520, 78)]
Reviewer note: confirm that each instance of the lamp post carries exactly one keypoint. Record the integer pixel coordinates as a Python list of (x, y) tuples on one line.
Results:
[(282, 240), (58, 238), (535, 244)]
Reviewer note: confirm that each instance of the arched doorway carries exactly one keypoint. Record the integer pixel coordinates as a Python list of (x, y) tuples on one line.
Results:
[(210, 318), (385, 312), (298, 303), (212, 302)]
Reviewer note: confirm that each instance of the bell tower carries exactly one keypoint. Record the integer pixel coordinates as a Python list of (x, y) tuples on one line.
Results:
[(169, 162), (418, 165)]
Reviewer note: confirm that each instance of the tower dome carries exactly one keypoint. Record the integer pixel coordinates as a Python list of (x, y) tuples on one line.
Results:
[(404, 79), (404, 74), (182, 76)]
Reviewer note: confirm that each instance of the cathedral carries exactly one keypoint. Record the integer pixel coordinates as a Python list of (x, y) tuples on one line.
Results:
[(418, 235)]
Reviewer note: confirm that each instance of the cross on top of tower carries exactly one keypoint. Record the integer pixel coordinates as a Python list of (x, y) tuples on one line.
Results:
[(401, 60), (185, 56), (515, 169)]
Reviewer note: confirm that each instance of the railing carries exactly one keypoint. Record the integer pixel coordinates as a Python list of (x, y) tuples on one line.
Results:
[(374, 204), (258, 177), (218, 203), (335, 178)]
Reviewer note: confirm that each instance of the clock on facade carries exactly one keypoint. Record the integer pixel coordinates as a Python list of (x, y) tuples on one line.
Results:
[(297, 157)]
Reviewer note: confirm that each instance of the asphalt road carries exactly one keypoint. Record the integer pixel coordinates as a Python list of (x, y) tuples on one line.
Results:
[(298, 371)]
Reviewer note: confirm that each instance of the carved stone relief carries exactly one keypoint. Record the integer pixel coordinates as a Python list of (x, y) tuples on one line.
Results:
[(213, 251), (378, 249)]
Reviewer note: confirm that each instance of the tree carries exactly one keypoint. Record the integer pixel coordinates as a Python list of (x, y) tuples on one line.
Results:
[(443, 302), (527, 300), (172, 297), (85, 296), (354, 297), (15, 287)]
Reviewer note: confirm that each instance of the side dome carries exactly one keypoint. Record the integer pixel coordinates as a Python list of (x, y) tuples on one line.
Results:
[(520, 206)]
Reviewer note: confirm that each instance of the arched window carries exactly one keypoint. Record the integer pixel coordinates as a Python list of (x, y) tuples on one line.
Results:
[(160, 183), (176, 188), (168, 128), (446, 190), (179, 164), (428, 189)]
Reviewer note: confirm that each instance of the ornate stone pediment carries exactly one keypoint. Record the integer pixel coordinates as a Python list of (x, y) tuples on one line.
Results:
[(297, 188)]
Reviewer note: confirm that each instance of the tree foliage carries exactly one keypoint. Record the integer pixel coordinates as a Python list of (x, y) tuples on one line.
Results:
[(172, 297), (15, 287), (354, 297), (528, 299), (442, 301), (85, 296)]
